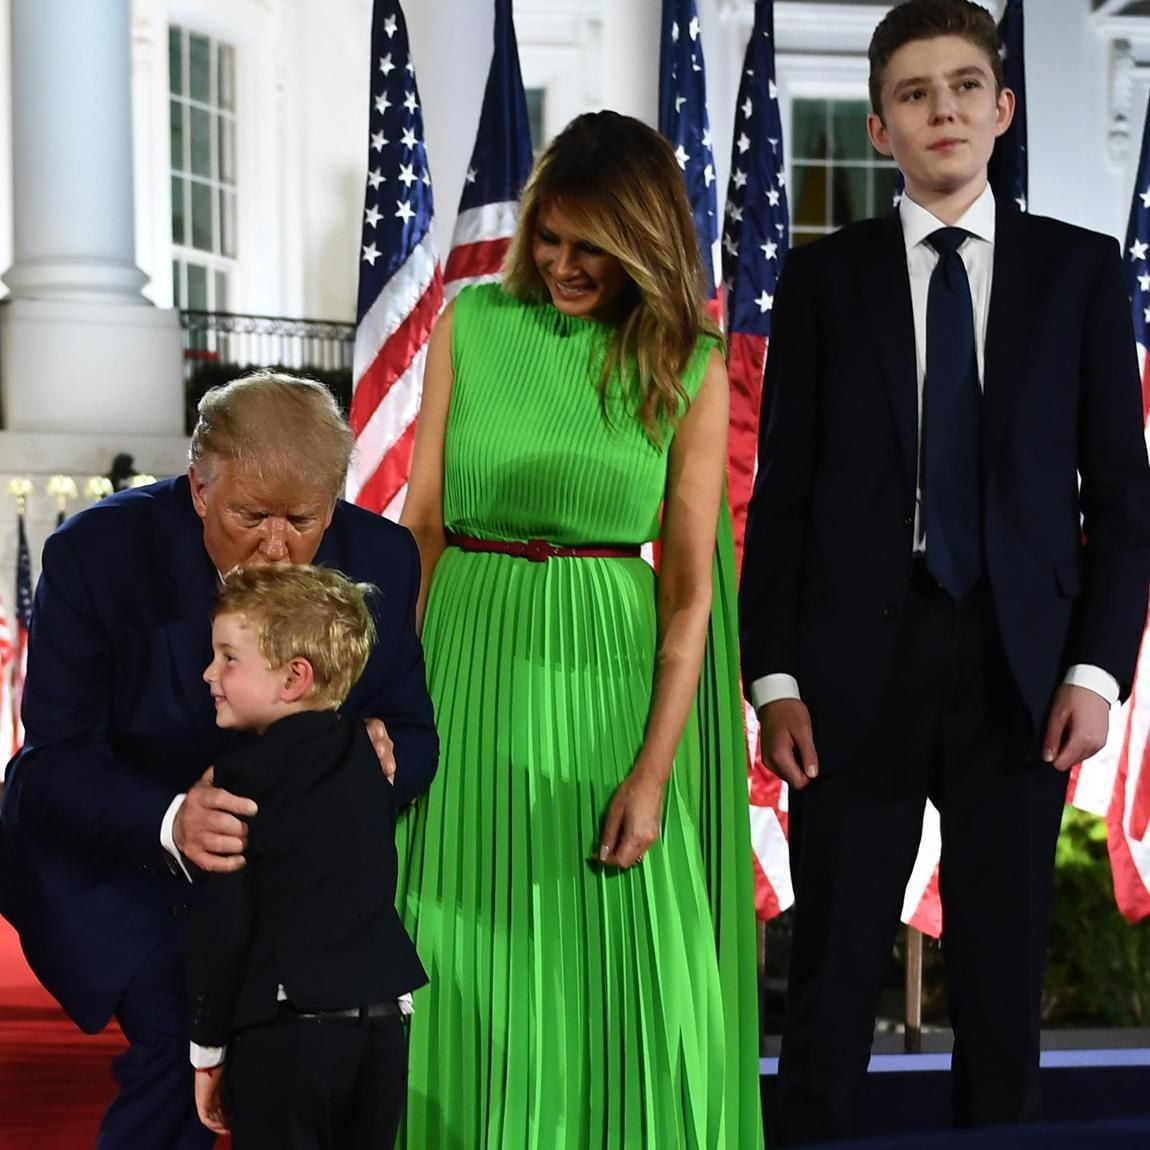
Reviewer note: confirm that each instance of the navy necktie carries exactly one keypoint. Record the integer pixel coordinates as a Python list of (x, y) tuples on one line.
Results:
[(952, 450)]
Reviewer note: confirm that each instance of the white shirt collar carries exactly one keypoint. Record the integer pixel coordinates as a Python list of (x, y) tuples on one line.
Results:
[(918, 223)]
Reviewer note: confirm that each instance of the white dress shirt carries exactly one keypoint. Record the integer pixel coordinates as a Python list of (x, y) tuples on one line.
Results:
[(977, 252)]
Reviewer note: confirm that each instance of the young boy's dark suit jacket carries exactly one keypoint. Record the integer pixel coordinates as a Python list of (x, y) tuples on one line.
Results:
[(828, 579), (314, 909)]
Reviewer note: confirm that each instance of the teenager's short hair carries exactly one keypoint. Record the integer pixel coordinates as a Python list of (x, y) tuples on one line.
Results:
[(275, 425), (925, 20), (312, 613)]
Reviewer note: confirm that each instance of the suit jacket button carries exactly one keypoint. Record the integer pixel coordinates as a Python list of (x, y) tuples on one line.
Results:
[(889, 612), (908, 522), (179, 910)]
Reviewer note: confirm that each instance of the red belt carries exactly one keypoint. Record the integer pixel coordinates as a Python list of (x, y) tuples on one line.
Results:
[(539, 550)]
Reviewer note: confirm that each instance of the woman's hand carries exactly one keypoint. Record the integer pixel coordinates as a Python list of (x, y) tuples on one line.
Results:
[(633, 819)]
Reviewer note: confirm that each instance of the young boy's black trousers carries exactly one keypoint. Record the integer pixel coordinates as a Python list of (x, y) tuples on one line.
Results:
[(317, 1084)]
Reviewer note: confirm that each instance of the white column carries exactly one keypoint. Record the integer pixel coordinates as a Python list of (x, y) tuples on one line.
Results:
[(631, 58), (72, 153), (81, 350)]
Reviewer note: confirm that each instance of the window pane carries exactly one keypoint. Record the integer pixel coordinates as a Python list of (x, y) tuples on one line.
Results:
[(799, 238), (809, 130), (201, 216), (226, 77), (221, 301), (848, 195), (176, 122), (200, 68), (177, 295), (848, 130), (175, 61), (178, 211), (885, 181), (228, 223), (201, 123), (226, 129), (197, 288), (809, 197)]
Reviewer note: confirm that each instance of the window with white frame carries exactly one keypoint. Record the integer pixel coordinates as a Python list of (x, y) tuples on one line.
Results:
[(202, 108), (836, 175)]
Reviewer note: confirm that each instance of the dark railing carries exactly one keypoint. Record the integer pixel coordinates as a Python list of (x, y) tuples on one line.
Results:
[(218, 346)]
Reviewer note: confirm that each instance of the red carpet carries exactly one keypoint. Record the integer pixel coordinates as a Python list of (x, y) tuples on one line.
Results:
[(54, 1081)]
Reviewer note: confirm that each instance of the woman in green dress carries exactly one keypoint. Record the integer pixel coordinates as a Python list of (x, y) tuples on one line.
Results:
[(578, 879)]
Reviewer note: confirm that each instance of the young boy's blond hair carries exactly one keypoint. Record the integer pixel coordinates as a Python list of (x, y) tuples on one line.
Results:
[(305, 612)]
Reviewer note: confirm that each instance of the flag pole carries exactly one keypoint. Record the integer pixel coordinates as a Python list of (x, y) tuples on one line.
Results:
[(912, 1035)]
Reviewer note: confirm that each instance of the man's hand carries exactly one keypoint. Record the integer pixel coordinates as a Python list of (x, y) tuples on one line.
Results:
[(384, 747), (208, 1105), (1076, 729), (209, 829), (787, 742)]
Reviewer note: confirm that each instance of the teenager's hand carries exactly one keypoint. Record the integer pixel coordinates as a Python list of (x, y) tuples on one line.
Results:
[(1076, 729), (384, 747), (787, 742), (208, 1105), (633, 819), (209, 830)]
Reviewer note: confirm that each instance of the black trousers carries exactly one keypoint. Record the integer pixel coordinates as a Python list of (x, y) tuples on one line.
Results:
[(306, 1084), (953, 728)]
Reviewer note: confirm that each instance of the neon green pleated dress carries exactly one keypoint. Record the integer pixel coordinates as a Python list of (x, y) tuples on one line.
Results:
[(570, 1007)]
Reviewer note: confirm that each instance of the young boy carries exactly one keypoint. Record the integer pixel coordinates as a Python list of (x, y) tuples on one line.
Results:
[(932, 606), (296, 961)]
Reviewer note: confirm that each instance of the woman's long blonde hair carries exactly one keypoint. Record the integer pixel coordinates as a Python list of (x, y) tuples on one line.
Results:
[(620, 184)]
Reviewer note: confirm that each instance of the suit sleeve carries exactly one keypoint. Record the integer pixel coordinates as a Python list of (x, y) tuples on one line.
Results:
[(72, 783), (217, 941), (1115, 483), (395, 689), (779, 508)]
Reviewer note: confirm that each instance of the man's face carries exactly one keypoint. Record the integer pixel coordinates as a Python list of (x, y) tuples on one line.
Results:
[(940, 118), (251, 521)]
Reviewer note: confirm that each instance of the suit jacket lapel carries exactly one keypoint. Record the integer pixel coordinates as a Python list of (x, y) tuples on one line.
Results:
[(191, 593), (1007, 327), (885, 289)]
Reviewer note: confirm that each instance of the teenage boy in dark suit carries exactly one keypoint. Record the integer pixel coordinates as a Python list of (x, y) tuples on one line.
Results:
[(932, 604), (297, 961)]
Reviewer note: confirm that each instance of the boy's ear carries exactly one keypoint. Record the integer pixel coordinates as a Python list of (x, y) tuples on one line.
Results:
[(298, 679), (1004, 113), (876, 129)]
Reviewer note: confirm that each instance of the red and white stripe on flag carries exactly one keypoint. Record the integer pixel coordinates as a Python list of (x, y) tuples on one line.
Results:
[(390, 354), (478, 246)]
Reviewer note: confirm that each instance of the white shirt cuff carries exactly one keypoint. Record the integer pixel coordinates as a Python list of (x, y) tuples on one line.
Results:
[(168, 838), (771, 688), (1094, 679), (206, 1057)]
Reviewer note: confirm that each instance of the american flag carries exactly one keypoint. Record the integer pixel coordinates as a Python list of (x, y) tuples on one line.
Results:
[(23, 623), (1008, 166), (1116, 781), (683, 121), (500, 165), (756, 235), (400, 283), (8, 744)]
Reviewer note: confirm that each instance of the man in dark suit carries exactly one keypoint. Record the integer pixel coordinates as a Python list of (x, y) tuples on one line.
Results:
[(931, 603), (112, 795), (297, 961)]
